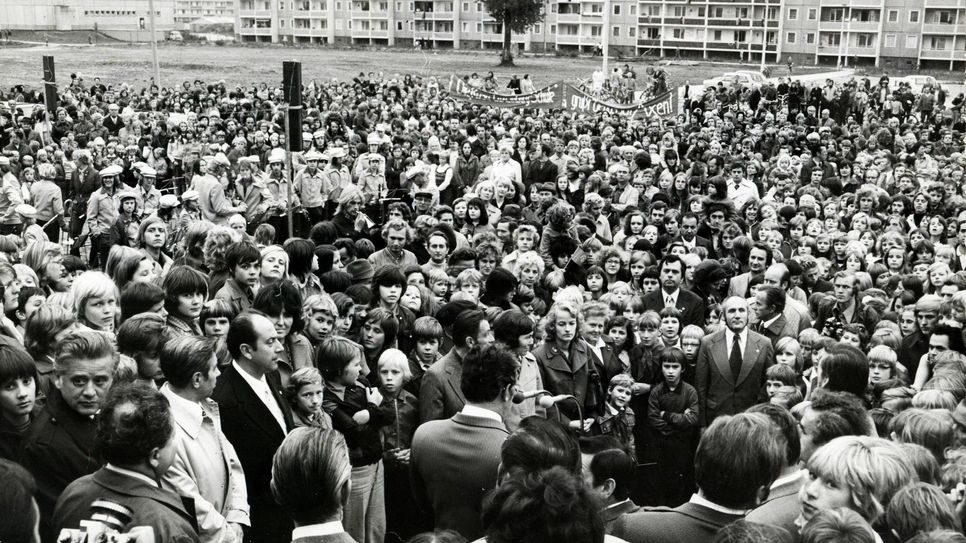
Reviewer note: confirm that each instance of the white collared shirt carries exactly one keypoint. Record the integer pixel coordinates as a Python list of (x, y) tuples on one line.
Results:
[(317, 530), (264, 393), (133, 474), (474, 411), (788, 478), (770, 321), (742, 340), (698, 500)]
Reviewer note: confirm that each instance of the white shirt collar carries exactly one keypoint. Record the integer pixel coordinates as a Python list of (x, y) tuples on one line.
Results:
[(672, 295), (316, 530), (474, 411), (730, 335), (770, 321), (188, 414), (698, 500), (133, 474), (257, 384), (788, 479)]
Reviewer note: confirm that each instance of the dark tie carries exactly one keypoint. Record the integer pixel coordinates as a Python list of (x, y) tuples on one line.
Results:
[(735, 358)]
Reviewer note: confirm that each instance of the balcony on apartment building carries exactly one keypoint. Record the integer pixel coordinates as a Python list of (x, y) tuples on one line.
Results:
[(365, 9), (315, 28), (944, 22), (429, 11), (258, 8), (310, 6)]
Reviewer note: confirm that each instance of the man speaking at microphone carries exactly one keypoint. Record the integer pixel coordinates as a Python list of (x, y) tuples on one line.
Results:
[(455, 461)]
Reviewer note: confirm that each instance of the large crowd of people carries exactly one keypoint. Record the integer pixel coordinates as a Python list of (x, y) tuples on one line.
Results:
[(741, 323)]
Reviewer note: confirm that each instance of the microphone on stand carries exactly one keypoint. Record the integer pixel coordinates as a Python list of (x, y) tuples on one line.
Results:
[(547, 402), (520, 397)]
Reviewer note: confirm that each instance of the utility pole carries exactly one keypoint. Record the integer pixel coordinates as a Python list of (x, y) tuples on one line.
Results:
[(154, 45), (605, 37)]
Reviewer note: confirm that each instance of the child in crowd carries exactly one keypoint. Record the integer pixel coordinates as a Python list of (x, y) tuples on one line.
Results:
[(650, 280), (438, 284), (595, 283), (399, 406), (243, 261), (470, 282), (345, 320), (304, 394), (621, 331), (320, 314), (690, 344), (216, 316), (621, 291), (672, 413), (633, 309), (617, 418), (777, 376), (670, 326), (427, 335), (28, 301)]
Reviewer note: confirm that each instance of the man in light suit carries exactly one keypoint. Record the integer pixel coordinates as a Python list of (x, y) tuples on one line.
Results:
[(455, 462), (737, 460), (310, 480), (206, 466), (255, 418), (730, 373), (759, 258), (440, 393), (688, 303)]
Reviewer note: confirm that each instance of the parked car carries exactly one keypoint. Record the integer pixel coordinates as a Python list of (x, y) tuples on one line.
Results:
[(740, 78), (175, 36)]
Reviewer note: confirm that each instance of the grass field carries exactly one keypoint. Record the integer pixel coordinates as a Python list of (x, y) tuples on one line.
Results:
[(250, 64)]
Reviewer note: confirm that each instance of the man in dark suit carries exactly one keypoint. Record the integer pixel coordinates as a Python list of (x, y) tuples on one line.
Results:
[(916, 344), (254, 417), (730, 373), (609, 471), (310, 480), (59, 446), (671, 294), (689, 235), (455, 462), (783, 505), (737, 460), (811, 281), (770, 308), (539, 169), (139, 450), (440, 395), (83, 182)]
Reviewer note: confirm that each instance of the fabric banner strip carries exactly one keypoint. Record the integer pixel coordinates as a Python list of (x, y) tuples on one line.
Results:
[(582, 102), (564, 96), (548, 97)]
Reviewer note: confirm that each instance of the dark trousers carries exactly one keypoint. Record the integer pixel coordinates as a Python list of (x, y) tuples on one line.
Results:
[(100, 248), (6, 229)]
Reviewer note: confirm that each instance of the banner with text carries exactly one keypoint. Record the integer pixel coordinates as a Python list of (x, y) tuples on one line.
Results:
[(583, 102), (548, 97)]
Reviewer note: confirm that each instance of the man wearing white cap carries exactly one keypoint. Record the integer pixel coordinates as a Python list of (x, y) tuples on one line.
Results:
[(364, 161), (277, 186), (312, 187), (10, 197), (149, 197), (215, 206), (102, 209)]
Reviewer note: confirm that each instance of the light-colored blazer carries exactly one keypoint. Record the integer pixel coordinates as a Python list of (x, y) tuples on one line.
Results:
[(217, 501)]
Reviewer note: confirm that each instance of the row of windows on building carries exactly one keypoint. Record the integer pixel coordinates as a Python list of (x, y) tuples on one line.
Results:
[(114, 13), (911, 41)]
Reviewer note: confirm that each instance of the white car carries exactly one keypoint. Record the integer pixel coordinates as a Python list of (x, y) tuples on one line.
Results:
[(741, 78)]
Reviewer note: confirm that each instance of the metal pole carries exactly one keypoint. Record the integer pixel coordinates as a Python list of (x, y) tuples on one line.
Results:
[(605, 38), (154, 45), (289, 174)]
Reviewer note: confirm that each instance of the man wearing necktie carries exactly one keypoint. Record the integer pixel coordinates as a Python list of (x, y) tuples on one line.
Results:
[(671, 294), (730, 373)]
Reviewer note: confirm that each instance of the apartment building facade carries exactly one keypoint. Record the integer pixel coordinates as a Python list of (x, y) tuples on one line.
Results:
[(901, 33), (188, 11)]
